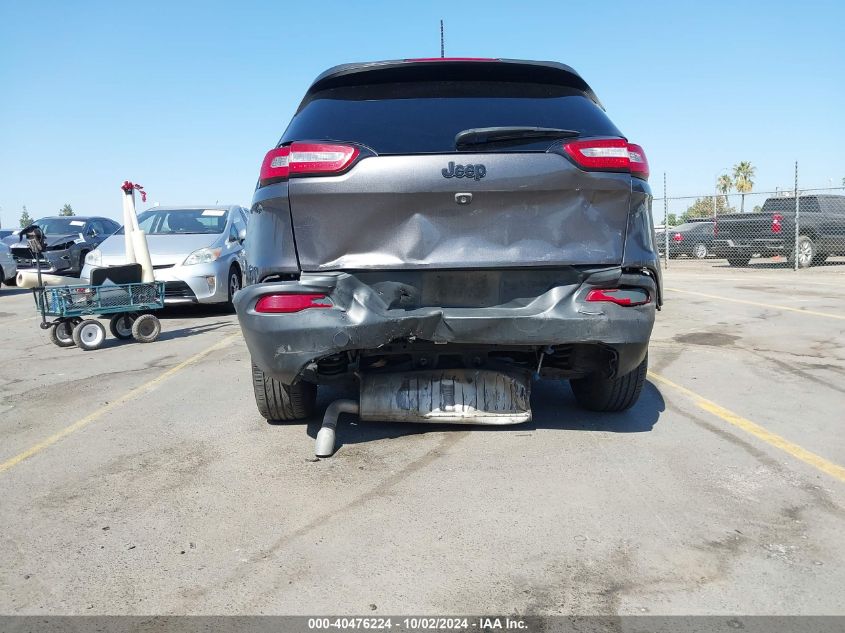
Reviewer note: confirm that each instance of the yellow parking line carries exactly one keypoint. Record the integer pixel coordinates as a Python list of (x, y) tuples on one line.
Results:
[(761, 305), (799, 452), (130, 395)]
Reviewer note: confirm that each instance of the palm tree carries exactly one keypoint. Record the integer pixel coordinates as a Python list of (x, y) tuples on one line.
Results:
[(723, 185), (743, 175)]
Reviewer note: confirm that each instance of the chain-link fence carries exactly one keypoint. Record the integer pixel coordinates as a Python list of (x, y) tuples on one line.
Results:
[(767, 228)]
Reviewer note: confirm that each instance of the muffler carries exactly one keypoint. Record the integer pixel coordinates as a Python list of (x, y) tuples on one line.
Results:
[(447, 396), (451, 396)]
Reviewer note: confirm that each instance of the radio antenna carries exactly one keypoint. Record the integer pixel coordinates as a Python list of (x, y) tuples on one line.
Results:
[(442, 41)]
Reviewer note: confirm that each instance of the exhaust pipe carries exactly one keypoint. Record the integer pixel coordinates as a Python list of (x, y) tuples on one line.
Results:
[(453, 396), (324, 446)]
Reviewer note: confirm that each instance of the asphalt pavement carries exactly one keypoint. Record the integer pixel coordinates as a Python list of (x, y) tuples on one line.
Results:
[(140, 479)]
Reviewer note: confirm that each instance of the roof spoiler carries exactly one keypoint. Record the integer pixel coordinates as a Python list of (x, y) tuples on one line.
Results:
[(427, 69)]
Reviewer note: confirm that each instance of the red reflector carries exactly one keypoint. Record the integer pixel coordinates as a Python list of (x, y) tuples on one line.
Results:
[(777, 223), (677, 237), (452, 59), (306, 158), (291, 303), (619, 296), (609, 154)]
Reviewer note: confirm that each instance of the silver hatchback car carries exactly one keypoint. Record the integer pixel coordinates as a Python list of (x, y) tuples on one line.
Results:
[(197, 251)]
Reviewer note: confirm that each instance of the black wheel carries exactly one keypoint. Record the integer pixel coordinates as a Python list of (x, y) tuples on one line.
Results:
[(699, 251), (146, 328), (278, 401), (89, 334), (610, 394), (61, 334), (120, 325), (806, 252), (739, 259), (234, 282)]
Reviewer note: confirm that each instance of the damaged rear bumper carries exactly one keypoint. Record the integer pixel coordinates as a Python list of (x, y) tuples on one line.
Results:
[(363, 317)]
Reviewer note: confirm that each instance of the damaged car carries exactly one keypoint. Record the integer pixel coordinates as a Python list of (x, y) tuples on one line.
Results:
[(69, 240), (443, 232), (8, 268)]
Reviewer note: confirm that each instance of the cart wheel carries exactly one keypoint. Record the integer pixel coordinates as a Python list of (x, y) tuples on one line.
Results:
[(61, 334), (146, 328), (89, 334), (120, 325)]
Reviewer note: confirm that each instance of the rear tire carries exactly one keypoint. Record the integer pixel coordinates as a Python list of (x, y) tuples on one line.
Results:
[(234, 282), (146, 328), (610, 394), (739, 260), (277, 401), (699, 251), (89, 335), (806, 252), (61, 334)]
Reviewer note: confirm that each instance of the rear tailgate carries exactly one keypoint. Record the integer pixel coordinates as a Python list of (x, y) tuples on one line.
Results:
[(400, 212), (402, 206), (743, 229)]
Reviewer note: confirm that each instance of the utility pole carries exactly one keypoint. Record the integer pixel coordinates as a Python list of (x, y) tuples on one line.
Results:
[(665, 224), (795, 254), (442, 41)]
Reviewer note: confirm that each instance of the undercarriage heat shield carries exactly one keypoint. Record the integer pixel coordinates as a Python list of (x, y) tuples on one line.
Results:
[(453, 396)]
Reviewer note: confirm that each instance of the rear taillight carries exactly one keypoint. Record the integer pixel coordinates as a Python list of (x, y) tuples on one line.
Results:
[(619, 296), (306, 158), (287, 303), (608, 155), (777, 223), (677, 237)]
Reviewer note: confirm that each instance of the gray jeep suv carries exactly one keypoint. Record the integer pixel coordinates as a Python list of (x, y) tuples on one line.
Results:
[(443, 230)]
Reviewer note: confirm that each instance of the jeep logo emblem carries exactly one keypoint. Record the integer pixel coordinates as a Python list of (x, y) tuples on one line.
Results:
[(477, 172)]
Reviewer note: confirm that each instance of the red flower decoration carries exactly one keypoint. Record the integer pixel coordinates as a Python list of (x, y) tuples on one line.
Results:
[(129, 187)]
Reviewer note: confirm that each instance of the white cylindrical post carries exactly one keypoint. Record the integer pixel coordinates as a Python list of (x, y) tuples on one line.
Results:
[(128, 228)]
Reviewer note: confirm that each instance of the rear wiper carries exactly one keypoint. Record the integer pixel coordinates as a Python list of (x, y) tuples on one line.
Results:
[(488, 135)]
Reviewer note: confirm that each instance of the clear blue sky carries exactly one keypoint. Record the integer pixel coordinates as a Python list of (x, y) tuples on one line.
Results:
[(186, 97)]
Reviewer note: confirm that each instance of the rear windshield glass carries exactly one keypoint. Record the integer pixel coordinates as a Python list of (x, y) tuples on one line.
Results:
[(809, 204), (182, 221), (424, 117), (691, 225)]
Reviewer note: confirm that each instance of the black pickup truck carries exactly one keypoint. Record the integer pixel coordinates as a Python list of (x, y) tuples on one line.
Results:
[(771, 231)]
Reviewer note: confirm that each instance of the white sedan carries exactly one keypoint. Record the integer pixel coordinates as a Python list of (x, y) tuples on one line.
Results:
[(197, 251)]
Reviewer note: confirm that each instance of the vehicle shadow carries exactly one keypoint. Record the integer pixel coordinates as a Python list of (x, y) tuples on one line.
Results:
[(193, 311), (14, 290), (167, 335), (553, 407)]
